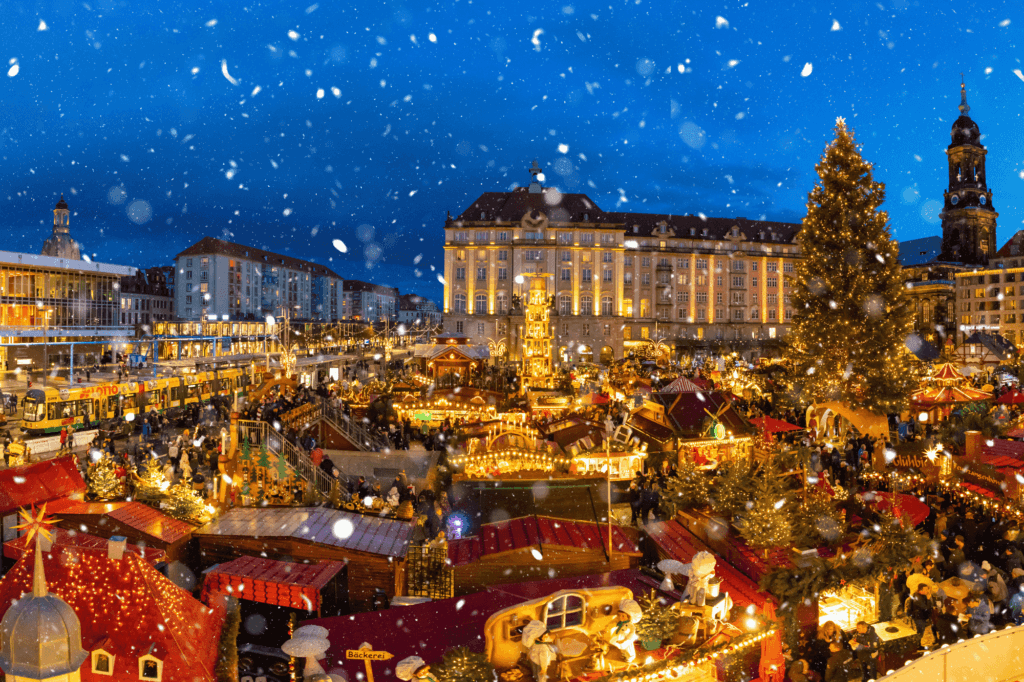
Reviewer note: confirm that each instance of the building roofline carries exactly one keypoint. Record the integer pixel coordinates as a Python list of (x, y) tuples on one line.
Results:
[(40, 261), (211, 246)]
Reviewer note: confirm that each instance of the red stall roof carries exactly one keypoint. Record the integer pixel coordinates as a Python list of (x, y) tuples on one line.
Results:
[(680, 544), (280, 583), (536, 532), (15, 549), (137, 515), (38, 483)]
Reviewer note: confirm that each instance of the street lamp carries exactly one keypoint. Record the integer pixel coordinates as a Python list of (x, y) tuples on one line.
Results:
[(46, 339)]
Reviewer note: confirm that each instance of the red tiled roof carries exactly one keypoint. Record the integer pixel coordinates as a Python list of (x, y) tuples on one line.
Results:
[(137, 515), (538, 532), (280, 583), (680, 544), (130, 608), (1011, 449), (15, 549), (984, 492), (37, 483)]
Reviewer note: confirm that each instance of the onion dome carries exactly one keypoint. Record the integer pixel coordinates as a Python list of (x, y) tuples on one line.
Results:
[(965, 131), (40, 636)]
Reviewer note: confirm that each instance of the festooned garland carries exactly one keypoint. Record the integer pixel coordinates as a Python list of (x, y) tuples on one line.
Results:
[(686, 659), (886, 546)]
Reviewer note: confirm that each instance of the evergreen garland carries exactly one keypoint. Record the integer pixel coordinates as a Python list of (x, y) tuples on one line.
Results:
[(227, 655), (850, 316), (463, 665)]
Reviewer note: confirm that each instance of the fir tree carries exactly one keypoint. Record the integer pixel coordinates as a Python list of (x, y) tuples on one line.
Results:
[(766, 521), (687, 488), (659, 621), (227, 656), (103, 481), (463, 665), (817, 521), (733, 488), (850, 318)]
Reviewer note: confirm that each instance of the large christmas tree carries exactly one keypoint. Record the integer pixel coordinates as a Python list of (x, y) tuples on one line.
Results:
[(850, 317)]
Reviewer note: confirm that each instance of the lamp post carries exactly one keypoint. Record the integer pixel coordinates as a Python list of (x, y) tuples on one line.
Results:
[(608, 425), (46, 339)]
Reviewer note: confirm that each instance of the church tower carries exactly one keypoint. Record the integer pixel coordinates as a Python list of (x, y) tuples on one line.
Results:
[(60, 244), (968, 219)]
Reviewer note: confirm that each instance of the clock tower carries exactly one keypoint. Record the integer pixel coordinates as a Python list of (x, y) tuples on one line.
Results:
[(968, 218)]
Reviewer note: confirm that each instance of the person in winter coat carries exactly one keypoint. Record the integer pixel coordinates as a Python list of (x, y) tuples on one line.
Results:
[(841, 665), (1012, 558), (865, 643), (920, 607), (980, 622), (947, 626), (634, 502)]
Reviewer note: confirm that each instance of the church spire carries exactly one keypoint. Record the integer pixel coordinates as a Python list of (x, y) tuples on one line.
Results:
[(964, 108)]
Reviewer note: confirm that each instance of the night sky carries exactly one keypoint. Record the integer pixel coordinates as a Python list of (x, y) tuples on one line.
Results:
[(288, 126)]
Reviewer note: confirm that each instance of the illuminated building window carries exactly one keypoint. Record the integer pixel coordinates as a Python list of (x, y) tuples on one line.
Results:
[(480, 304), (606, 305), (564, 305), (459, 305), (627, 333), (102, 662), (587, 305), (645, 332)]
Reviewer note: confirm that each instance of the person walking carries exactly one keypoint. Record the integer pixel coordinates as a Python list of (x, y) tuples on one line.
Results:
[(63, 438)]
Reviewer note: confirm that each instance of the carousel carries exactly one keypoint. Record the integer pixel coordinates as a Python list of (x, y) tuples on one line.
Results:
[(942, 391)]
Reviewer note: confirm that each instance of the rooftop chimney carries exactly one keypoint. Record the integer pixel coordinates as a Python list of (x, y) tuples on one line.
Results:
[(116, 546)]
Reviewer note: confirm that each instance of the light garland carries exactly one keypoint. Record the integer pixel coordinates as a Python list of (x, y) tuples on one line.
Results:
[(674, 668)]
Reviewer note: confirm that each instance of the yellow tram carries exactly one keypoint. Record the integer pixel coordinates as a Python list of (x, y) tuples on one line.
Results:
[(49, 410)]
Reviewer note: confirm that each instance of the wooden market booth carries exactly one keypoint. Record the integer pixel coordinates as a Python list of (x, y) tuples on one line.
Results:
[(372, 549), (136, 521)]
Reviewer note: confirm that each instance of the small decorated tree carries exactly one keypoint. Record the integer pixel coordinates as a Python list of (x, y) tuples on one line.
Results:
[(150, 482), (732, 490), (766, 521), (463, 665), (659, 621), (817, 521), (185, 504), (689, 487), (103, 481)]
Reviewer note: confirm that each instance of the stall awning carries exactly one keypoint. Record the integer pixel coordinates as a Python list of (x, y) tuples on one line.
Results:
[(865, 421), (770, 425)]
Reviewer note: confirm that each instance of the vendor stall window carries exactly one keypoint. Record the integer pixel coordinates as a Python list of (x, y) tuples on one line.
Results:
[(564, 612), (102, 662), (848, 606), (150, 668)]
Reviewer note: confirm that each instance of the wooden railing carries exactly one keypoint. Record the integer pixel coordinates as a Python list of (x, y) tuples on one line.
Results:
[(259, 433)]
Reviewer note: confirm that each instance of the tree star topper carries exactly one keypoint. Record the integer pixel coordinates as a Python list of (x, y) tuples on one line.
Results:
[(36, 524)]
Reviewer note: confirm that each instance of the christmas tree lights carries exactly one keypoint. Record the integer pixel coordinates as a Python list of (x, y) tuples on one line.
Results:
[(850, 316)]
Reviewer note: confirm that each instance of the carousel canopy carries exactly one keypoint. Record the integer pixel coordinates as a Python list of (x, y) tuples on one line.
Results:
[(946, 373), (947, 395)]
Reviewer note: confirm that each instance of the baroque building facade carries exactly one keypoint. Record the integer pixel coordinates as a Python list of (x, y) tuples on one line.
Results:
[(615, 281)]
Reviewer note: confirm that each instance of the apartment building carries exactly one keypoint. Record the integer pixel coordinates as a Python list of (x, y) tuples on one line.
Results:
[(145, 298), (220, 280), (616, 280), (369, 302), (991, 299), (416, 311)]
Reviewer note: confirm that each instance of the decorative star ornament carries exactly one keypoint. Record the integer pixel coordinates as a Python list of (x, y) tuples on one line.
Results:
[(33, 524)]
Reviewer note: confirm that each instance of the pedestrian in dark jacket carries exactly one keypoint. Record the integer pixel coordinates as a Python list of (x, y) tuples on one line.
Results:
[(1012, 558), (920, 608), (947, 626), (865, 643), (841, 665), (634, 502)]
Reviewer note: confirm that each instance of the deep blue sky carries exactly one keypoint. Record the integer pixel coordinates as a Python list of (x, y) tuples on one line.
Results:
[(125, 107)]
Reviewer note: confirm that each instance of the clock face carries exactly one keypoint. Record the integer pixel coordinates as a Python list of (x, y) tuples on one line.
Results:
[(983, 199), (954, 200)]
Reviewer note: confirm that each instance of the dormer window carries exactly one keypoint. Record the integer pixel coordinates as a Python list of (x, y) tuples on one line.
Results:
[(661, 228), (704, 232), (586, 217), (151, 668), (102, 662), (693, 232), (483, 216)]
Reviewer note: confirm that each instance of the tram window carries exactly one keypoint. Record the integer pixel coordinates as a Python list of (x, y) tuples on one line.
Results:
[(84, 408), (34, 411), (193, 391), (129, 402)]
